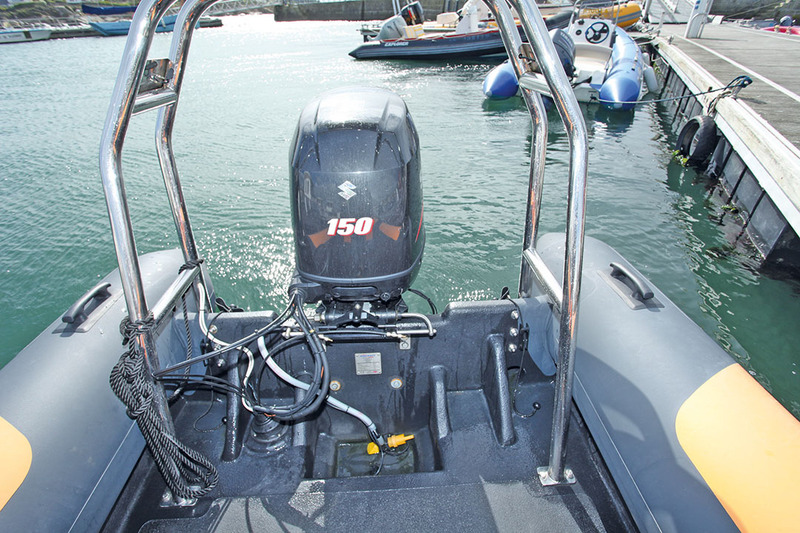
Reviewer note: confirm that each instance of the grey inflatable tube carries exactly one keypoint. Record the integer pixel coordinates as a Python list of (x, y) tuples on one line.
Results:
[(638, 360), (56, 394)]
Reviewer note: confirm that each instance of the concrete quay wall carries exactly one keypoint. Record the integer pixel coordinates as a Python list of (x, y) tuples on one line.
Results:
[(357, 10)]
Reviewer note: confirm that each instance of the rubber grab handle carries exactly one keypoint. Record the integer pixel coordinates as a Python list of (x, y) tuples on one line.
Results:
[(77, 313), (642, 290)]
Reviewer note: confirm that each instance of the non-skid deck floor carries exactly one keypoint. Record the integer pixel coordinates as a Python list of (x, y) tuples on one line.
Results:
[(481, 487)]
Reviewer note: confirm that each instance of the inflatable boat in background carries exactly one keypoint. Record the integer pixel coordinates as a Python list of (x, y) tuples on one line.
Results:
[(604, 65), (345, 411), (471, 32), (624, 14)]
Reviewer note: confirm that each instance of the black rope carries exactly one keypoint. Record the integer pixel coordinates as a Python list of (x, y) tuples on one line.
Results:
[(187, 473), (194, 263), (187, 328)]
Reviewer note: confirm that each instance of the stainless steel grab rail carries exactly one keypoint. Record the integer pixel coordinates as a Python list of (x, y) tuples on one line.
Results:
[(523, 64), (186, 22), (126, 101), (119, 114), (120, 111), (123, 106), (567, 304)]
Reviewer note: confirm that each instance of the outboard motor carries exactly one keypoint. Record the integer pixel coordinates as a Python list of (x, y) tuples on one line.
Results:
[(565, 48), (393, 28), (412, 13), (356, 200)]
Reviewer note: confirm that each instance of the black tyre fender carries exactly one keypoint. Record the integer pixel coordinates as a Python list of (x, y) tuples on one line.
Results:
[(697, 139)]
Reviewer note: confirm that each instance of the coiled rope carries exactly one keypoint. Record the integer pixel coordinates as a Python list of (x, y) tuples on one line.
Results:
[(188, 473)]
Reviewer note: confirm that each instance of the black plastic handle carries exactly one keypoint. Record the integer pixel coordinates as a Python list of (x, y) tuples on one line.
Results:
[(642, 290), (76, 313)]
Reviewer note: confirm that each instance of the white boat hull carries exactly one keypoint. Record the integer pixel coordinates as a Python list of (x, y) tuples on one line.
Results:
[(21, 36)]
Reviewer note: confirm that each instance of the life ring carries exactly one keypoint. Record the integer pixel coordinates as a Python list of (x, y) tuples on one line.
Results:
[(697, 139)]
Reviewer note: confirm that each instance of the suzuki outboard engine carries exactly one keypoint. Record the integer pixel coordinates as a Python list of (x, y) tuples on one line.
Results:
[(356, 199)]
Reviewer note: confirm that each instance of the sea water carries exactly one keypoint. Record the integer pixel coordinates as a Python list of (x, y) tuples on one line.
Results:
[(244, 88)]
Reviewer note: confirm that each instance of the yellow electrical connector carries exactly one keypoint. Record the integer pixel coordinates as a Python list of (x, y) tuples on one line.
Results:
[(393, 441), (398, 440)]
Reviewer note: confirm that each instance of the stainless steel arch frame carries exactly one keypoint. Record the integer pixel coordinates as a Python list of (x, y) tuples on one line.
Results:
[(186, 22), (564, 298), (522, 64), (128, 99)]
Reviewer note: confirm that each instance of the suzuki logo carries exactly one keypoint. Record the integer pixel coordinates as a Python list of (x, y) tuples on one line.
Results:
[(346, 189)]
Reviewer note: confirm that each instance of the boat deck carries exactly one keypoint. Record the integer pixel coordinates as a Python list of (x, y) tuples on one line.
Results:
[(498, 492), (472, 464), (763, 117)]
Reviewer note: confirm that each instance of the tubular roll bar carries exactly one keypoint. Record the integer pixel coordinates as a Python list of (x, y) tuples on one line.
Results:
[(522, 63), (127, 101), (128, 98), (564, 298)]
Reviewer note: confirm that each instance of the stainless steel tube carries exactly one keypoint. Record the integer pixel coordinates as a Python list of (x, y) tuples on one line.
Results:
[(646, 11), (533, 101), (185, 24), (535, 182), (119, 114), (140, 36), (572, 117)]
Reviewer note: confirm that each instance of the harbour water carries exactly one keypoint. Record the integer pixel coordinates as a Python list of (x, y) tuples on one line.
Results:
[(245, 86)]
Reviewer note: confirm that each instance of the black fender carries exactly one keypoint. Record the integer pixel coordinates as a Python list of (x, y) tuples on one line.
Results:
[(697, 139)]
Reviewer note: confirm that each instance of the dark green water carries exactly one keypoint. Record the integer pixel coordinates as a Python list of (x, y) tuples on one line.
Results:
[(245, 87)]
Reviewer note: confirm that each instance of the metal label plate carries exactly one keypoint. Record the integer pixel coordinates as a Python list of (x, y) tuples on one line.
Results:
[(368, 364)]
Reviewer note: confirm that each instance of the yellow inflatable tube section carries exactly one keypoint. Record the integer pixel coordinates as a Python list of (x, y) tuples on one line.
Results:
[(15, 460), (746, 447)]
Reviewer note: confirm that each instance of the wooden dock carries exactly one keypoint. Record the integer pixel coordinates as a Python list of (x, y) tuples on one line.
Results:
[(771, 60), (761, 124)]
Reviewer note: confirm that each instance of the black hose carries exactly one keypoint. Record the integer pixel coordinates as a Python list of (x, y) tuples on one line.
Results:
[(319, 387), (266, 330), (425, 297)]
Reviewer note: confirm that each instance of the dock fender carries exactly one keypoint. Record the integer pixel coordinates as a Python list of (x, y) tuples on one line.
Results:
[(697, 139), (650, 79)]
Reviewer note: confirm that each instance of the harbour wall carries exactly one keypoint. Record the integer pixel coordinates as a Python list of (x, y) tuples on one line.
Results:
[(356, 10), (752, 206)]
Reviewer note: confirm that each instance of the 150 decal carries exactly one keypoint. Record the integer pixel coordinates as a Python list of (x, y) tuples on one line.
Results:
[(350, 226)]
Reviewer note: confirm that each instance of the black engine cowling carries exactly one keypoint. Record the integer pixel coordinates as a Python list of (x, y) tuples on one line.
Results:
[(356, 196)]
